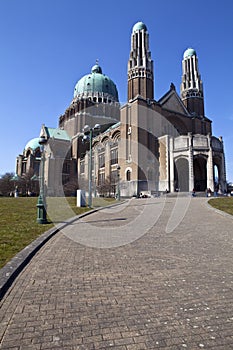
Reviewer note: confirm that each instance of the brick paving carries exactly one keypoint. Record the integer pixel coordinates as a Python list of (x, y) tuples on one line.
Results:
[(161, 291)]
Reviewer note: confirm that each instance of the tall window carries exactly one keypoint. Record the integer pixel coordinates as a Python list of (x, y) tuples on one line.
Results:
[(114, 177), (128, 175), (36, 167), (24, 166), (82, 166), (101, 160), (114, 156), (101, 178)]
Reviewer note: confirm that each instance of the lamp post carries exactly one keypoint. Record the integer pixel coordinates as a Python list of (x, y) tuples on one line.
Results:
[(118, 183), (88, 136), (16, 180), (41, 203)]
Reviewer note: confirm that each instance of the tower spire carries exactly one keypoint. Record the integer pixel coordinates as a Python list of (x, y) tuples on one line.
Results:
[(140, 65), (191, 89)]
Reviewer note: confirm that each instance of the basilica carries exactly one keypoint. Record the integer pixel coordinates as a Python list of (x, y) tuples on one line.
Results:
[(144, 146)]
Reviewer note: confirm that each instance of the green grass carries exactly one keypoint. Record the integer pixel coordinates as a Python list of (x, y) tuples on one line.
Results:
[(224, 204), (18, 225)]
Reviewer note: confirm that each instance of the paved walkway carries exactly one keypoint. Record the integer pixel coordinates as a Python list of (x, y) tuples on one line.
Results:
[(163, 284)]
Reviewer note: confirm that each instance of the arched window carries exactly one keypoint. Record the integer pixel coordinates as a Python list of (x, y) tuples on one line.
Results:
[(28, 153), (128, 175), (37, 153), (116, 136), (216, 176), (105, 140)]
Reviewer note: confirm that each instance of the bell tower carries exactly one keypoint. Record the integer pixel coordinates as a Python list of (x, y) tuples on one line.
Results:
[(191, 89), (140, 65)]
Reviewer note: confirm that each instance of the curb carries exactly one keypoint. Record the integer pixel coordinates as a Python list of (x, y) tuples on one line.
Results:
[(223, 213), (12, 269)]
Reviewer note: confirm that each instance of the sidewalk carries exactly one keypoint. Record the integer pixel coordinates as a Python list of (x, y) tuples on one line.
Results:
[(146, 288)]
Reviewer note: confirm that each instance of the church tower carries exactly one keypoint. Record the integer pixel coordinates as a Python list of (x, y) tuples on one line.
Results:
[(191, 89), (140, 65)]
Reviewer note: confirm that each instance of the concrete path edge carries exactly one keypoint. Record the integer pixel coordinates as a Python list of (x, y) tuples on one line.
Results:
[(223, 213), (12, 269)]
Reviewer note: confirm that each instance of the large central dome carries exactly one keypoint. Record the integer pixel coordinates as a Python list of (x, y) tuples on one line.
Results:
[(96, 83)]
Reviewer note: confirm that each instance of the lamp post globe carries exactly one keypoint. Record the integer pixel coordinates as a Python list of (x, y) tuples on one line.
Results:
[(97, 127), (86, 129)]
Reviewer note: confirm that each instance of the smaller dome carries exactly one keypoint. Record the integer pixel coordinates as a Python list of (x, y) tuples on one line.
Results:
[(139, 26), (33, 144), (189, 52)]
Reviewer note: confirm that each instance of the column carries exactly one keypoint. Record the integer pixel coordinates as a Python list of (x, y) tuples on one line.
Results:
[(210, 166), (191, 171), (171, 160), (223, 174)]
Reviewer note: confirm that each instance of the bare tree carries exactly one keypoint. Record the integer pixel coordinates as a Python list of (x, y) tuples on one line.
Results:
[(29, 184), (71, 186), (107, 188), (7, 186)]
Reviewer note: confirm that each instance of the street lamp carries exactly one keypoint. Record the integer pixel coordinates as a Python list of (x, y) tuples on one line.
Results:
[(88, 136), (118, 183), (41, 203), (16, 180)]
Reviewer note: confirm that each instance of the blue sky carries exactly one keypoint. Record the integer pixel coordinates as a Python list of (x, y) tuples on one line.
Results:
[(48, 45)]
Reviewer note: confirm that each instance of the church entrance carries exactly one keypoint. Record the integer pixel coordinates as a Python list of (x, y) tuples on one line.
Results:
[(200, 173), (181, 175)]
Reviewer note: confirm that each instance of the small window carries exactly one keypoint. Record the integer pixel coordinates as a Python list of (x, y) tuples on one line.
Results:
[(82, 166), (128, 175)]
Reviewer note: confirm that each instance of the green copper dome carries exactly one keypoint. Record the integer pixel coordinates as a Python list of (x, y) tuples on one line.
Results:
[(139, 26), (189, 52), (33, 144), (96, 82)]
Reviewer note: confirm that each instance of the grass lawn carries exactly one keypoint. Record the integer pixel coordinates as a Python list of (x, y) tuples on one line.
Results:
[(224, 204), (18, 226)]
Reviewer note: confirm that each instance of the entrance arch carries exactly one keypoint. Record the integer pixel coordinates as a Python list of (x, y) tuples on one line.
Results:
[(218, 184), (216, 175), (200, 173), (181, 174)]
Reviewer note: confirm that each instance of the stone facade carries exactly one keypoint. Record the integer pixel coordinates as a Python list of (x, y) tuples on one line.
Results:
[(144, 146)]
